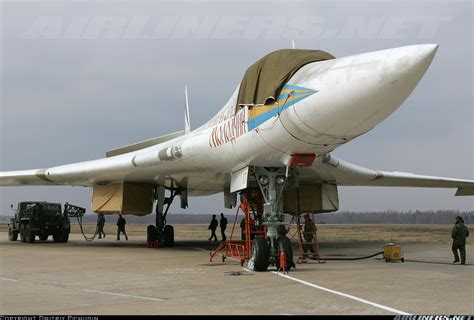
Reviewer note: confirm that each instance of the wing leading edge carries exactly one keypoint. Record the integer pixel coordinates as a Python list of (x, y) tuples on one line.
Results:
[(33, 177), (343, 173)]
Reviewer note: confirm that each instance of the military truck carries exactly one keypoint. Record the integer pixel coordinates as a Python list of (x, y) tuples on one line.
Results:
[(42, 219)]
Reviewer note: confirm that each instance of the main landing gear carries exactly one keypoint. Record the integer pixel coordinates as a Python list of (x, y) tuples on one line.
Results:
[(162, 233)]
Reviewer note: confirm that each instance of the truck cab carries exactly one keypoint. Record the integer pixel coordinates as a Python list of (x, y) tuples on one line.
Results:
[(42, 219)]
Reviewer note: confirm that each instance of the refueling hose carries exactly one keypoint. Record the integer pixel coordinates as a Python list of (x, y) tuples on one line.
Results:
[(79, 221), (349, 259)]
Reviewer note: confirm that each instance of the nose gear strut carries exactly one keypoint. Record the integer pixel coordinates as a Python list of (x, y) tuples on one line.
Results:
[(271, 182)]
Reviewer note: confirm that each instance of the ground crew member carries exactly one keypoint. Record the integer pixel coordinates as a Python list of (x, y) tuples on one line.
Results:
[(100, 225), (223, 225), (121, 227), (459, 234), (242, 228), (213, 226), (309, 229)]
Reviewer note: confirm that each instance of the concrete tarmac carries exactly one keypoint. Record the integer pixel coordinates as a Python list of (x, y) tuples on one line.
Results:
[(126, 278)]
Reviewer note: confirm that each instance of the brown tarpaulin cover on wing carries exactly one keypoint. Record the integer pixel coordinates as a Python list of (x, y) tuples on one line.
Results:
[(122, 198), (267, 76)]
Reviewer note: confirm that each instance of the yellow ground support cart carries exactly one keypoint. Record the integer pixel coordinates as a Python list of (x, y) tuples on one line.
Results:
[(392, 252)]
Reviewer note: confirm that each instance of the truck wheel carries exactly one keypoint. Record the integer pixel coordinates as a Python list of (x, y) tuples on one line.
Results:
[(65, 237), (261, 254), (12, 234), (57, 237), (22, 233), (43, 237), (30, 236), (168, 236)]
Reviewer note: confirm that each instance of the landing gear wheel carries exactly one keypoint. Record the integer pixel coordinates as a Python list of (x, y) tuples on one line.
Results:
[(168, 236), (30, 236), (43, 237), (12, 234), (261, 254), (285, 244), (22, 233), (403, 259), (151, 233)]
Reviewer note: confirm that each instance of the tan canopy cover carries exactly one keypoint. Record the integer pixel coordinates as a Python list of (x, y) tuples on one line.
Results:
[(311, 198), (267, 76), (122, 198)]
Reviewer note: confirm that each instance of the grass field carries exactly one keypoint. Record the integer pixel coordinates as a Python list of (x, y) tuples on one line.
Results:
[(440, 234)]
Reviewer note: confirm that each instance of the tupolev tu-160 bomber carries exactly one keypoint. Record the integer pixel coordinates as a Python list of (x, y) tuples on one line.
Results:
[(269, 146)]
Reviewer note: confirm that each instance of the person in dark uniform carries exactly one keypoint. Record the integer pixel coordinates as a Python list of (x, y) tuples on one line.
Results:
[(223, 225), (242, 229), (100, 225), (121, 227), (213, 226), (459, 234), (308, 231)]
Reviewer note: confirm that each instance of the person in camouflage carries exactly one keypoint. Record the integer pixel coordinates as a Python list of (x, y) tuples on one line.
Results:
[(308, 231), (459, 234)]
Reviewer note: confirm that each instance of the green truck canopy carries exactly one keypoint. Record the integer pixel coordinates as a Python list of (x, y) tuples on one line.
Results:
[(267, 76)]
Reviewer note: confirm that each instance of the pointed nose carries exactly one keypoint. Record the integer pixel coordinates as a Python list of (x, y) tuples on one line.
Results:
[(356, 93)]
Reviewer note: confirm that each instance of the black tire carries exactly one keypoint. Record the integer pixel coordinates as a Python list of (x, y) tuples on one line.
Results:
[(30, 236), (261, 254), (43, 237), (57, 237), (22, 233), (168, 236), (285, 244), (151, 233), (12, 234), (65, 237)]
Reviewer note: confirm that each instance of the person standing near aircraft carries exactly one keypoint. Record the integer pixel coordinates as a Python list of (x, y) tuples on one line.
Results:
[(223, 225), (459, 234), (100, 225), (213, 227), (308, 231), (121, 227)]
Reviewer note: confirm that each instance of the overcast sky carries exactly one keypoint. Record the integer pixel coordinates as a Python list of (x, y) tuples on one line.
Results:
[(81, 77)]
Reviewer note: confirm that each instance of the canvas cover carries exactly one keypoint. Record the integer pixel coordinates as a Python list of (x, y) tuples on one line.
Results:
[(267, 76), (123, 198), (311, 198)]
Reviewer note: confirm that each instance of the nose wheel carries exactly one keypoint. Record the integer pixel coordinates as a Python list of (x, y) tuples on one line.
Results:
[(261, 254)]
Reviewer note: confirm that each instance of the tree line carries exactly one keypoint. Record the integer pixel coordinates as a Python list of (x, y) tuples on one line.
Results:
[(395, 217)]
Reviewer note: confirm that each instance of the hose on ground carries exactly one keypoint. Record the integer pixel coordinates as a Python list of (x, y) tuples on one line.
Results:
[(348, 259)]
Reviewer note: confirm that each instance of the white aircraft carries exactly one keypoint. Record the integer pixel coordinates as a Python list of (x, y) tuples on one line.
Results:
[(274, 136)]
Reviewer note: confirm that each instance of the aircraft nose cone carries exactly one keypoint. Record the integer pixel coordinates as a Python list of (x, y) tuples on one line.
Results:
[(356, 93)]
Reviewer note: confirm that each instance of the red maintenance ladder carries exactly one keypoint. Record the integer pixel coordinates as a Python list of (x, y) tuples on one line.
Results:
[(296, 233), (251, 205)]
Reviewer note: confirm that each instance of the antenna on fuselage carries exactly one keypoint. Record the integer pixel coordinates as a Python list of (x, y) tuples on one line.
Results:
[(187, 122)]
